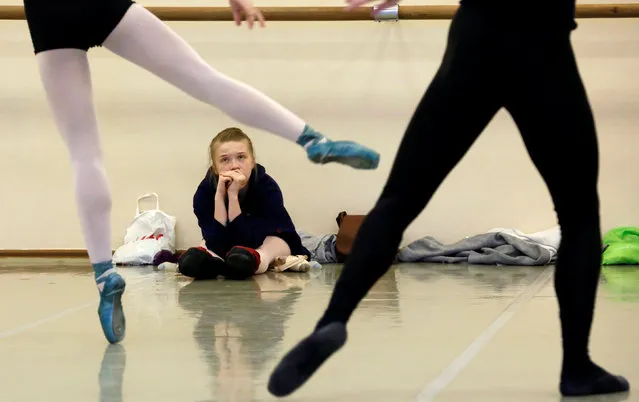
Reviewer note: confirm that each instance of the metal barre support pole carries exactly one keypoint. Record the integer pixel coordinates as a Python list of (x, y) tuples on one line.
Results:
[(627, 10)]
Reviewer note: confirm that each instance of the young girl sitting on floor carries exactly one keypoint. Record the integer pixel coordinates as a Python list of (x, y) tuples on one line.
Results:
[(240, 210)]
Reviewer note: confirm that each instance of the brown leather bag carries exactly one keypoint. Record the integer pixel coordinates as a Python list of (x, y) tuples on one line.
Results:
[(348, 225)]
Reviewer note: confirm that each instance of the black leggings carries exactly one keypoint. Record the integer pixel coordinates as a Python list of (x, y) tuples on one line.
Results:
[(488, 66)]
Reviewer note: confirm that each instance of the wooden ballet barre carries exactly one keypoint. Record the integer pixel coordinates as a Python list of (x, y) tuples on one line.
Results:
[(630, 10)]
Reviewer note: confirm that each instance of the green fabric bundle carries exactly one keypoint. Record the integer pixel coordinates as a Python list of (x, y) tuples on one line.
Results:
[(622, 246)]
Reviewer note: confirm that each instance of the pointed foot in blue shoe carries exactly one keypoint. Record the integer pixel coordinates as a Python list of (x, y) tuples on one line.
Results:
[(110, 309), (345, 152)]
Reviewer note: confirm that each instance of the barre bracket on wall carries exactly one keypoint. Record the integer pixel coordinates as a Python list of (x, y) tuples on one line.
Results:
[(388, 14)]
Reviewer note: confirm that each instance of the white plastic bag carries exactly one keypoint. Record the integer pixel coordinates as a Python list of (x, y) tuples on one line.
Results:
[(149, 233)]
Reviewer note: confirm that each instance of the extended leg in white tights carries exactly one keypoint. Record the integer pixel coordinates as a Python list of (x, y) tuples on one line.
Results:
[(146, 41)]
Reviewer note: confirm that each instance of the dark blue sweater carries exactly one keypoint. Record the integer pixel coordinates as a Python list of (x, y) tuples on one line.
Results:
[(263, 214)]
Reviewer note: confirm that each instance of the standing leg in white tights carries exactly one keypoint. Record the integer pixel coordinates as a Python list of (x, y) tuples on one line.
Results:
[(67, 81)]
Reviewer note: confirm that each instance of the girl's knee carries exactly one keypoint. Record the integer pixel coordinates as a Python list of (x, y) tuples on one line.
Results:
[(275, 246)]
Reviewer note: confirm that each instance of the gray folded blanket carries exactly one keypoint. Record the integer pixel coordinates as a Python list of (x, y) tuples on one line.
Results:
[(496, 247), (322, 247)]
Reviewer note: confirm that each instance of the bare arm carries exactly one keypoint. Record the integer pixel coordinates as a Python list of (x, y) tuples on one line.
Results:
[(237, 181), (221, 215), (234, 207), (220, 211)]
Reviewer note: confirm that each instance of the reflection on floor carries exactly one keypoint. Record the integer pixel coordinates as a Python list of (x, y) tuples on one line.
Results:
[(219, 340)]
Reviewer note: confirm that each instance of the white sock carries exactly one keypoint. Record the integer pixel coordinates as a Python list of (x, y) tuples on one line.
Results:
[(66, 79), (146, 41)]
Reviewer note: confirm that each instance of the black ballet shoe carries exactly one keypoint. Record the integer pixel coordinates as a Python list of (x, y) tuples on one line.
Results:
[(198, 263), (303, 360), (598, 382), (241, 263)]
